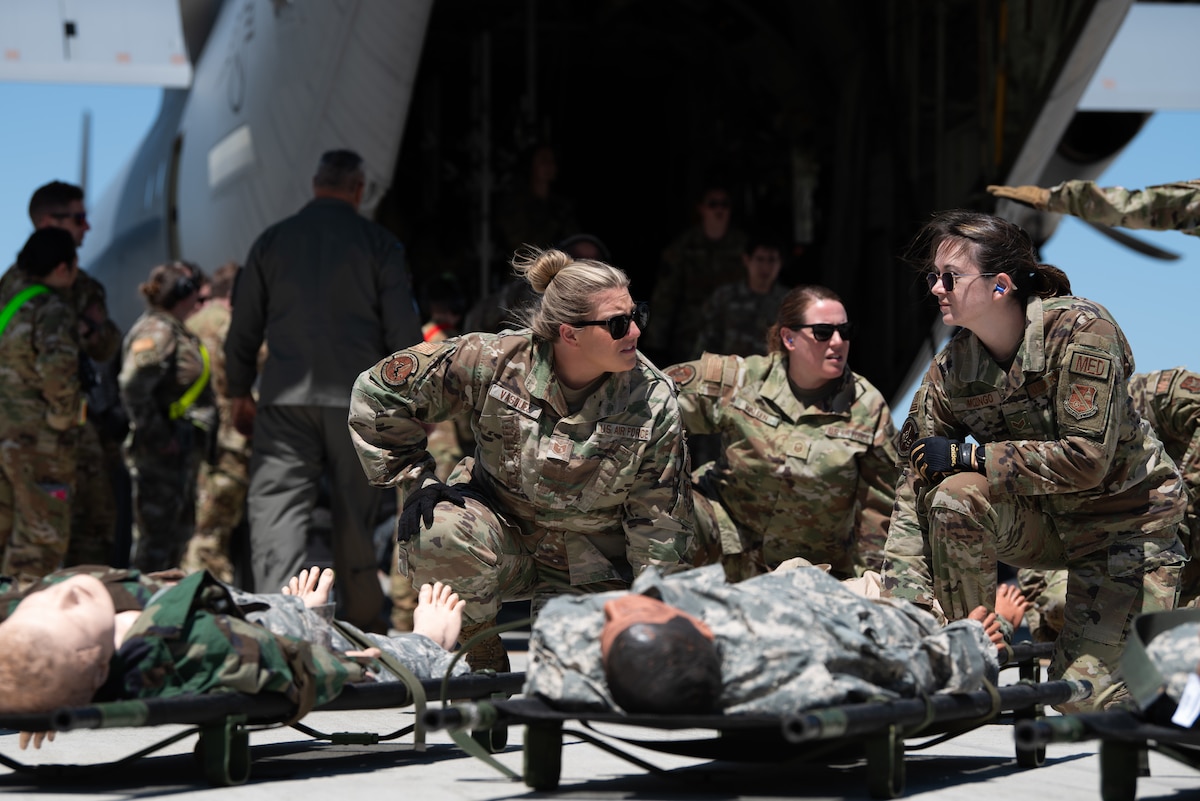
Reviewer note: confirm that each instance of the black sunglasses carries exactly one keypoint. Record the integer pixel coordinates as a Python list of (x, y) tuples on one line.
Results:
[(80, 217), (949, 278), (619, 326), (823, 332)]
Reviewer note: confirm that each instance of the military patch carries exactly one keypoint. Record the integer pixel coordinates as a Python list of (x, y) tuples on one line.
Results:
[(906, 437), (856, 434), (640, 433), (682, 374), (426, 348), (1091, 365), (743, 405), (398, 369), (139, 345), (560, 448), (514, 400), (1190, 384), (1081, 402)]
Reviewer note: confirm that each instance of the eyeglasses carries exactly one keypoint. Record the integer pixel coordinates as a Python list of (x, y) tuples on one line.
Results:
[(80, 217), (823, 332), (618, 326), (949, 278)]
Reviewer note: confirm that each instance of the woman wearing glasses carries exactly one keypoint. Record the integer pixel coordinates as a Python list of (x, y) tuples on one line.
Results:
[(1064, 473), (807, 465), (578, 479)]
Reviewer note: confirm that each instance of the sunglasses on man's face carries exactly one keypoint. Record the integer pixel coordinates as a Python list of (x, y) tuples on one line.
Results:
[(823, 332), (948, 279), (80, 217), (618, 326)]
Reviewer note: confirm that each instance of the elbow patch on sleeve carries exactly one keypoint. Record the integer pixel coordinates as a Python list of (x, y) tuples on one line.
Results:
[(1086, 390)]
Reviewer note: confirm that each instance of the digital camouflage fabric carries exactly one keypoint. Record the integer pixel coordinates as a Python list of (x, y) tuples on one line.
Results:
[(1166, 207), (1074, 480), (789, 641), (793, 479)]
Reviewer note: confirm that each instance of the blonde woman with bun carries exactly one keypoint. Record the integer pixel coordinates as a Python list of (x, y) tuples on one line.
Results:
[(578, 480)]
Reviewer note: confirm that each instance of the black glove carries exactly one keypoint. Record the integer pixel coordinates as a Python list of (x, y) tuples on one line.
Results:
[(934, 458), (419, 507)]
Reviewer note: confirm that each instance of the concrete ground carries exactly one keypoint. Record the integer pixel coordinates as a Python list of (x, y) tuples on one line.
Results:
[(979, 764)]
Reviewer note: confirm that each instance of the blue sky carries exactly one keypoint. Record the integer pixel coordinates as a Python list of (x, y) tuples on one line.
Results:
[(1154, 301)]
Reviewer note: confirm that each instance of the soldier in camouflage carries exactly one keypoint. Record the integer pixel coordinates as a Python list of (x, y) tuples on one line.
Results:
[(704, 257), (222, 482), (1169, 400), (807, 465), (1064, 475), (578, 480), (105, 634), (788, 641), (40, 405), (1166, 207), (93, 507), (166, 389), (737, 315)]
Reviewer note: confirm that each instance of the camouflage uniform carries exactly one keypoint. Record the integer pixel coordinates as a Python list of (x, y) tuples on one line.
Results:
[(816, 481), (1169, 400), (693, 267), (222, 483), (1074, 479), (1167, 207), (40, 406), (161, 360), (788, 642), (94, 507), (735, 320), (556, 502)]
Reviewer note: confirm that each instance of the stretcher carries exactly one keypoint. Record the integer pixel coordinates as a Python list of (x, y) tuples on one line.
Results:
[(875, 730), (224, 720)]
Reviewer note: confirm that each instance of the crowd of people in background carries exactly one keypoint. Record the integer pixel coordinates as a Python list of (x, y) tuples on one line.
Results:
[(525, 447)]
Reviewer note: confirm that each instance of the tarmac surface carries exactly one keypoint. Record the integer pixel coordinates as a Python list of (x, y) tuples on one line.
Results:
[(289, 765)]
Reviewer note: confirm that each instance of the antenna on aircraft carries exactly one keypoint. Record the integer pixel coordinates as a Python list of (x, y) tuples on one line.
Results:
[(85, 148)]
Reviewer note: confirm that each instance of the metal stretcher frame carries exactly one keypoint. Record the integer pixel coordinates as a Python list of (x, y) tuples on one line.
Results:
[(224, 720), (878, 729)]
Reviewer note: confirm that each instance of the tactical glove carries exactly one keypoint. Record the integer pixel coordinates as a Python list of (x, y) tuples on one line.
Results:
[(1034, 196), (934, 458), (419, 507)]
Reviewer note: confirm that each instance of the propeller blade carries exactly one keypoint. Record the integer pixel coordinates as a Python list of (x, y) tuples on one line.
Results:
[(1135, 244)]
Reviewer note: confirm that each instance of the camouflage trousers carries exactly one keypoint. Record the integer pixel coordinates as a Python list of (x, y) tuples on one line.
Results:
[(164, 506), (37, 473), (1105, 590), (1047, 592), (220, 506), (94, 507), (489, 560)]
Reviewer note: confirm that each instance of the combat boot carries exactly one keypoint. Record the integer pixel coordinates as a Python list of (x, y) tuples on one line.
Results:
[(488, 653)]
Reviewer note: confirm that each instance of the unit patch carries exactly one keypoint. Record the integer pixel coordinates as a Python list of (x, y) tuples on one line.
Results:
[(1190, 384), (1081, 402), (682, 374), (1090, 365), (906, 437), (398, 369)]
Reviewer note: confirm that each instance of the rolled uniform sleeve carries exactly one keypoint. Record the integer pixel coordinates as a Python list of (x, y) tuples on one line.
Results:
[(1166, 207), (698, 406)]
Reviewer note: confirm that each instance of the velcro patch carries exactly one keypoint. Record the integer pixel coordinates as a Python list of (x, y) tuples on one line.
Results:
[(398, 369), (641, 433), (1090, 364), (682, 374), (1081, 401), (510, 398), (758, 414), (906, 437), (1190, 384), (426, 348), (139, 345), (856, 434)]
